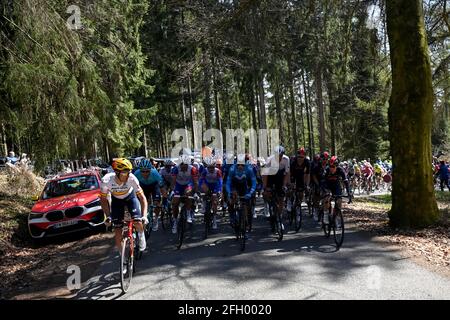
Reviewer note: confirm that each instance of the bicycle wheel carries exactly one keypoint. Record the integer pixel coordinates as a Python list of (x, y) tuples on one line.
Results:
[(279, 225), (309, 203), (126, 265), (242, 227), (181, 228), (148, 227), (207, 217), (326, 226), (137, 252), (338, 228), (298, 217)]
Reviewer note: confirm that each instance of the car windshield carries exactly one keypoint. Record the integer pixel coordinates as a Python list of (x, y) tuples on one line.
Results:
[(63, 187)]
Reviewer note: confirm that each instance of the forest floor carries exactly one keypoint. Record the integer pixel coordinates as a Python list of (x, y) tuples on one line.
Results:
[(429, 246)]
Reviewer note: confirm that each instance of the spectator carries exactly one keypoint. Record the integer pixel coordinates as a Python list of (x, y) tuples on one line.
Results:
[(11, 158), (443, 175)]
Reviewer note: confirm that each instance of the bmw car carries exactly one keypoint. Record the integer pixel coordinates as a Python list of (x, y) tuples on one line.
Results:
[(68, 203)]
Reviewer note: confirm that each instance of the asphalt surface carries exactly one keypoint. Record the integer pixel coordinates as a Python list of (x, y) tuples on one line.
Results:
[(304, 265)]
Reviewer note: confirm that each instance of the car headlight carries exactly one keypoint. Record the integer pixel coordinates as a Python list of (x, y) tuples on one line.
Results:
[(92, 204), (36, 215)]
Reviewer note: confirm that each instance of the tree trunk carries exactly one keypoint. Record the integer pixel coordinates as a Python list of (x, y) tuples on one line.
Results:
[(320, 110), (183, 107), (191, 108), (410, 116), (286, 112), (4, 148), (252, 106), (262, 104), (331, 99), (278, 111), (145, 143), (293, 117), (216, 96), (207, 88), (257, 104), (305, 93)]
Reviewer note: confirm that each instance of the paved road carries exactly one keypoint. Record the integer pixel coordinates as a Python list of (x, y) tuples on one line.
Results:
[(305, 265)]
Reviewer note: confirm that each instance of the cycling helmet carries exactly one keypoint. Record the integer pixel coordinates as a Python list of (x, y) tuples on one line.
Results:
[(168, 162), (145, 164), (241, 159), (325, 155), (279, 150), (317, 157), (301, 152), (122, 164), (334, 161), (185, 159), (209, 161)]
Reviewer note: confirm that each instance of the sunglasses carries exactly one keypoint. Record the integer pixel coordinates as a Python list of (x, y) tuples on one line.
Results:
[(145, 171), (124, 172), (333, 167)]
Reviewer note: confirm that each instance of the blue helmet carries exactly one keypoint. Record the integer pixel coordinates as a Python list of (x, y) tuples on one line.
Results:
[(145, 164)]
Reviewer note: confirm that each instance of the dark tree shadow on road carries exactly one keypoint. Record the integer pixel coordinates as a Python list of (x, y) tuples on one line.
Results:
[(267, 259)]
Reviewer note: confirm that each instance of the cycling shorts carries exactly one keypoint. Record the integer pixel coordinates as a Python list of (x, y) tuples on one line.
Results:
[(181, 189), (118, 209)]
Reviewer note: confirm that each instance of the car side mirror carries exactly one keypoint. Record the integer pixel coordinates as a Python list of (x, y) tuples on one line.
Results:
[(35, 198)]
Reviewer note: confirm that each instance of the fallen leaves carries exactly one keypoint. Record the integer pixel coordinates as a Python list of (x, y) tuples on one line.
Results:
[(432, 244)]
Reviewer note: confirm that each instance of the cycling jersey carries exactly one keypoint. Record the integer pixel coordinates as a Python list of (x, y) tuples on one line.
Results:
[(298, 172), (185, 177), (152, 178), (212, 179), (119, 191), (283, 166), (166, 175), (378, 169), (242, 181), (367, 170), (331, 181)]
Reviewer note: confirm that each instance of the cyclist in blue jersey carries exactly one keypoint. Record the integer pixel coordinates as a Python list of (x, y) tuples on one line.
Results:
[(150, 181), (241, 181)]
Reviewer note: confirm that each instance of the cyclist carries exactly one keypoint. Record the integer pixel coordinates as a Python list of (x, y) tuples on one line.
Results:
[(184, 182), (367, 171), (275, 180), (125, 191), (228, 162), (331, 185), (211, 180), (300, 171), (378, 170), (317, 169), (166, 174), (150, 181), (241, 181)]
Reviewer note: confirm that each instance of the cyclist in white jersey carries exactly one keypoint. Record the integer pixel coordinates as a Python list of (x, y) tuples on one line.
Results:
[(125, 191)]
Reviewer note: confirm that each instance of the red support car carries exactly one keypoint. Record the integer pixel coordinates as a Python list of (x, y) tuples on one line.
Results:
[(68, 203)]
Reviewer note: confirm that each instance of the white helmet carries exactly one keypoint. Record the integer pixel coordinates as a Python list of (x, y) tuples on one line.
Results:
[(241, 158), (184, 159), (209, 161), (279, 150)]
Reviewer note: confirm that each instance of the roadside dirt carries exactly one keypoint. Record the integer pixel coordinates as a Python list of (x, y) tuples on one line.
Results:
[(429, 247), (39, 271)]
